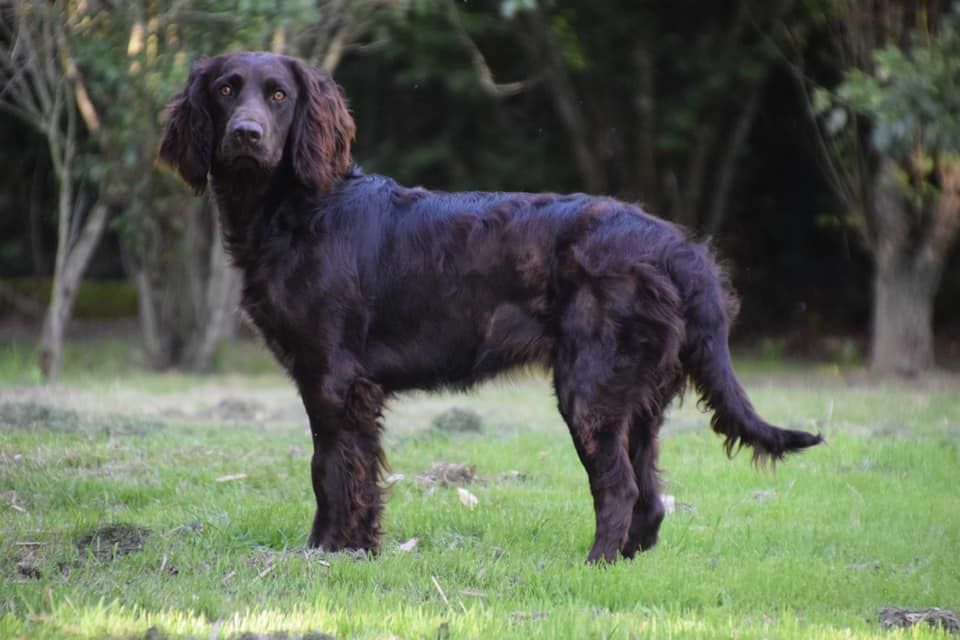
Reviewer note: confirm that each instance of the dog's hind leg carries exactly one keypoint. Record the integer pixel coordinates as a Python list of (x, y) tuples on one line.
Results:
[(648, 511), (594, 411), (616, 367)]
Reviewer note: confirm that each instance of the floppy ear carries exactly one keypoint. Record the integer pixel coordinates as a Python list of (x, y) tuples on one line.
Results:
[(187, 144), (322, 131)]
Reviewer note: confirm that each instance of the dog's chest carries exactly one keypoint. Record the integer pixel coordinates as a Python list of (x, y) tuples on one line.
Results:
[(279, 299)]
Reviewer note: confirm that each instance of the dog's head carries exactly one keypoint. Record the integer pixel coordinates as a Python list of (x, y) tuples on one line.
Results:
[(246, 114)]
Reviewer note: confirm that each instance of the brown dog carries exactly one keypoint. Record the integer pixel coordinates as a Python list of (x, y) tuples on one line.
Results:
[(363, 288)]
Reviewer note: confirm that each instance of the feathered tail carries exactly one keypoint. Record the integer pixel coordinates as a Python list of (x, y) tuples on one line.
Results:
[(708, 306)]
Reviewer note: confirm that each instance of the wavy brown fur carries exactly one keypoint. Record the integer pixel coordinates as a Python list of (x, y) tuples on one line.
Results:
[(363, 288)]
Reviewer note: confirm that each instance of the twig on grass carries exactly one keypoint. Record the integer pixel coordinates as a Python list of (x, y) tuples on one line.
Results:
[(311, 555), (440, 590), (230, 477), (270, 567)]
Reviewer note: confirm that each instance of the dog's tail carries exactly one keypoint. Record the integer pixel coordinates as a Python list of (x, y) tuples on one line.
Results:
[(709, 306)]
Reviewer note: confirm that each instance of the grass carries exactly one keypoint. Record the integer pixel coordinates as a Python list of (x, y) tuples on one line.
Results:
[(812, 550)]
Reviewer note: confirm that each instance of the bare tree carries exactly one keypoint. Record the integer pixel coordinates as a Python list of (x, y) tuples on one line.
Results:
[(43, 88), (186, 289)]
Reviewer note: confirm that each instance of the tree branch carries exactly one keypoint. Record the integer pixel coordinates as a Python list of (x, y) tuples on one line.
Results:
[(72, 73), (568, 105), (479, 62), (88, 238), (840, 182), (728, 161)]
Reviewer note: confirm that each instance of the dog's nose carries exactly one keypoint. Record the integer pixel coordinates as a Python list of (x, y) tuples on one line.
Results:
[(247, 132)]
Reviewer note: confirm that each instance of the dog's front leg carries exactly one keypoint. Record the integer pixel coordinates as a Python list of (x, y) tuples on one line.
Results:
[(347, 462)]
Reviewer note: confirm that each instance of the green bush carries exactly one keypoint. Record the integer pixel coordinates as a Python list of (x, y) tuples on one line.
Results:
[(96, 299)]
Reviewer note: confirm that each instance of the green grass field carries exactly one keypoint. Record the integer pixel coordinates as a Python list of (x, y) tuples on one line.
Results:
[(137, 505)]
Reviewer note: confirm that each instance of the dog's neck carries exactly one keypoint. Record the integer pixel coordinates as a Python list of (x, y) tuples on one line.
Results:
[(242, 199), (238, 202), (246, 199)]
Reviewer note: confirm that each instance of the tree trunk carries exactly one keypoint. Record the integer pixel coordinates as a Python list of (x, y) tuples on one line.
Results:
[(910, 249), (187, 289), (221, 293), (50, 358), (71, 263), (75, 242), (903, 318), (153, 344)]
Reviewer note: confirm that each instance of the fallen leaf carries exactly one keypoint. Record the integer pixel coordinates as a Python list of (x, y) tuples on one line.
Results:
[(764, 495), (669, 503), (528, 615), (467, 499), (230, 477)]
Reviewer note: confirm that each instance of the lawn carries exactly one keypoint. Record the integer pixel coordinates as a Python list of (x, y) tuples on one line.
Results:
[(137, 505)]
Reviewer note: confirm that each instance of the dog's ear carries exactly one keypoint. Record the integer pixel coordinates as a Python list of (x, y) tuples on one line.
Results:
[(322, 130), (188, 138)]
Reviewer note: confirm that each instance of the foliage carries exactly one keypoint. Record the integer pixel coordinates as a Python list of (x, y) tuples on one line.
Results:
[(130, 91), (96, 299), (889, 142), (912, 95), (813, 551), (659, 88)]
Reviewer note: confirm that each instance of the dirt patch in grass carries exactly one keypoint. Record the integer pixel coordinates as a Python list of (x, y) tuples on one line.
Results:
[(33, 416), (124, 426), (237, 410), (154, 633), (273, 403), (895, 617), (112, 541), (457, 420), (282, 635), (446, 474), (22, 559)]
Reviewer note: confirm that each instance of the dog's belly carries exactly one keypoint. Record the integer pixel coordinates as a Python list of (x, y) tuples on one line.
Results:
[(457, 351)]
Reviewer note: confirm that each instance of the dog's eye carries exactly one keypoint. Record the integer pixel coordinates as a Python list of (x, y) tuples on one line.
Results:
[(226, 91), (279, 95)]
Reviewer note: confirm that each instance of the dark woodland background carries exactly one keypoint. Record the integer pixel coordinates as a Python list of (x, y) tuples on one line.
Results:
[(815, 141)]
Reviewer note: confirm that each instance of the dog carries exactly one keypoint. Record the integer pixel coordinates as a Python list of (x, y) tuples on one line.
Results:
[(363, 288)]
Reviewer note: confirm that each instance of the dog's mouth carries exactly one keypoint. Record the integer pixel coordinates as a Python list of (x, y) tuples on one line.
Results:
[(245, 162), (243, 168)]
